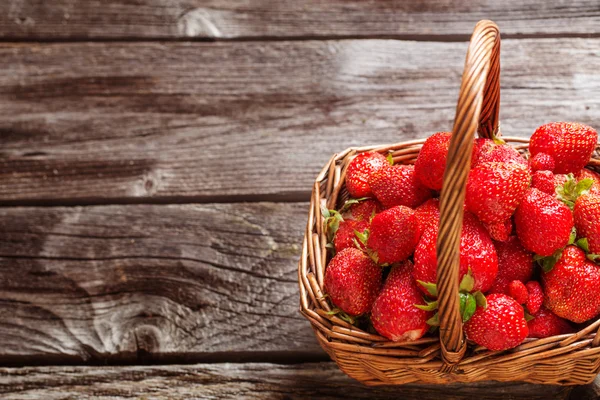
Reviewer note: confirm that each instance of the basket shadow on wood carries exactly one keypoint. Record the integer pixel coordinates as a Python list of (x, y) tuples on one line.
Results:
[(570, 359)]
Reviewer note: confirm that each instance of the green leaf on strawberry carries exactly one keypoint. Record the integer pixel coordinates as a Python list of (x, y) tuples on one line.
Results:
[(434, 321), (572, 189), (430, 287), (429, 305), (593, 257), (573, 236), (583, 244), (480, 299), (351, 202), (547, 263), (390, 158), (468, 305), (467, 283)]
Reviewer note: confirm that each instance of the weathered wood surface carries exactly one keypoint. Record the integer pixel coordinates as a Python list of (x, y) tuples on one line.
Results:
[(225, 19), (152, 282), (196, 122), (241, 381)]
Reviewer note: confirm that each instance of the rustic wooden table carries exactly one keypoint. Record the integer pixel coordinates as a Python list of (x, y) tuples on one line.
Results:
[(156, 158)]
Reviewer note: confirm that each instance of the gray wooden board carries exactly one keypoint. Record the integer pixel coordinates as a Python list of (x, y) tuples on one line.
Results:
[(196, 122), (243, 381), (226, 19), (152, 282)]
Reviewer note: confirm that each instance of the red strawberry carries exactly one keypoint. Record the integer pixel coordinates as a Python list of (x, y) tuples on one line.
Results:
[(543, 223), (514, 263), (344, 237), (477, 253), (571, 287), (352, 281), (363, 210), (397, 185), (500, 231), (587, 219), (544, 181), (488, 151), (428, 214), (394, 314), (499, 326), (545, 324), (535, 296), (542, 162), (518, 291), (359, 171), (431, 161), (495, 189), (393, 235), (570, 144)]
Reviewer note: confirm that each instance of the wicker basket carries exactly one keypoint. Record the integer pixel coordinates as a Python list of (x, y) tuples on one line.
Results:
[(570, 359)]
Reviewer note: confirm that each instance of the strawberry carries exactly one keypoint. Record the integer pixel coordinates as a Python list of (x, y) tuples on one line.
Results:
[(394, 314), (535, 296), (393, 235), (489, 151), (431, 161), (518, 291), (477, 253), (344, 237), (514, 263), (359, 171), (500, 231), (397, 185), (586, 214), (545, 324), (499, 326), (495, 189), (543, 223), (363, 210), (428, 214), (571, 286), (542, 162), (352, 281), (544, 181), (570, 144)]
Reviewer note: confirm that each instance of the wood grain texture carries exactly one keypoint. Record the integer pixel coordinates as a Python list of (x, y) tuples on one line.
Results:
[(184, 122), (239, 381), (151, 282), (226, 19)]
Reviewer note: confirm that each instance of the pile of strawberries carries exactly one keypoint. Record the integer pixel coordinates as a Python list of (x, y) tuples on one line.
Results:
[(528, 249)]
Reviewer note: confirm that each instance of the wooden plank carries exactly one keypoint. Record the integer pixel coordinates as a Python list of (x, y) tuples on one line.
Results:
[(226, 19), (152, 282), (240, 381), (196, 122)]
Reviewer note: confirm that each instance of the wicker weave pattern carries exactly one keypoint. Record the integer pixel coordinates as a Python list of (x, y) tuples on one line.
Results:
[(374, 360)]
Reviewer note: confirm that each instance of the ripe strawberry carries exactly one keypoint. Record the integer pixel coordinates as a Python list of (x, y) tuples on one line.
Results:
[(431, 161), (397, 185), (518, 291), (428, 214), (500, 231), (545, 324), (570, 144), (344, 237), (495, 189), (544, 181), (587, 219), (535, 296), (394, 314), (363, 210), (499, 326), (352, 281), (359, 171), (571, 287), (514, 263), (489, 151), (393, 235), (542, 162), (477, 253), (543, 223)]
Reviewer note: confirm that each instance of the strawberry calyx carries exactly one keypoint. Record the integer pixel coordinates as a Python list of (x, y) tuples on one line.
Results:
[(528, 317), (331, 224), (496, 136), (351, 202), (430, 287), (361, 243), (584, 245), (390, 158), (428, 306), (547, 263), (572, 189), (345, 317)]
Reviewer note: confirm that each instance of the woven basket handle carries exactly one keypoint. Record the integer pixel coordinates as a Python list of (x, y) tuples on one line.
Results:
[(477, 111)]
